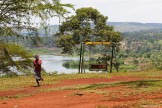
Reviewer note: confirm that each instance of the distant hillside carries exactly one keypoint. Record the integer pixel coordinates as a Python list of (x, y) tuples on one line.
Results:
[(119, 26), (52, 29), (134, 26)]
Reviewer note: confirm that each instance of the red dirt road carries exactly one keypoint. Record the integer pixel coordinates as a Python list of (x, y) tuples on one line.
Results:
[(96, 98)]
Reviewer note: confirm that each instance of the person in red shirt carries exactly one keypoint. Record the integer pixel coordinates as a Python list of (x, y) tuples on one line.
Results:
[(37, 69)]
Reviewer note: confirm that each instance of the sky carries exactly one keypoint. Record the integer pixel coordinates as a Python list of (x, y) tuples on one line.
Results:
[(144, 11)]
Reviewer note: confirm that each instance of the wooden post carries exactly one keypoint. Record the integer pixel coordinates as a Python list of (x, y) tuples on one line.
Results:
[(112, 56), (80, 60)]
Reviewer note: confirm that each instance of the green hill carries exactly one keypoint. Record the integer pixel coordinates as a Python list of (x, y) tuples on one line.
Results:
[(119, 26), (134, 26)]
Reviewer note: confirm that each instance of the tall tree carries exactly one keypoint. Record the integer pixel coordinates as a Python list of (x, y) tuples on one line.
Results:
[(87, 25), (18, 14)]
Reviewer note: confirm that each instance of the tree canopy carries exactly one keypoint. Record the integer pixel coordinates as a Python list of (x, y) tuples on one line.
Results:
[(18, 14), (87, 25)]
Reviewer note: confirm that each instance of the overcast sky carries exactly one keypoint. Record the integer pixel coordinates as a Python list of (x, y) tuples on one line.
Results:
[(145, 11)]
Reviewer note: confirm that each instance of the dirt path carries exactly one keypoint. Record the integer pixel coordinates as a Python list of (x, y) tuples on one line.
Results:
[(67, 83), (78, 98)]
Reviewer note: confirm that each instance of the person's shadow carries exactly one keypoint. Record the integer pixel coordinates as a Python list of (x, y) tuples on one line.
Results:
[(35, 86)]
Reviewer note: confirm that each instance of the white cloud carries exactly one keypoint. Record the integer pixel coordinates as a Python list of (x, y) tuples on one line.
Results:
[(124, 10)]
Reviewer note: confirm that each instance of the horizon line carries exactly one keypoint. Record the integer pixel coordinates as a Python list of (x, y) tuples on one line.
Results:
[(127, 22)]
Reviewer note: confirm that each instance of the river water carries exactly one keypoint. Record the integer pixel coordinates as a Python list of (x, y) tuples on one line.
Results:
[(53, 63)]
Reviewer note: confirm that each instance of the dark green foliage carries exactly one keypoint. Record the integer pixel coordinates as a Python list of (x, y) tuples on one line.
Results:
[(17, 15), (87, 25), (144, 47), (67, 43), (14, 55)]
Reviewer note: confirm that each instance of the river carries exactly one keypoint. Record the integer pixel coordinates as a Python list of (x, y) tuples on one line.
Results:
[(53, 63)]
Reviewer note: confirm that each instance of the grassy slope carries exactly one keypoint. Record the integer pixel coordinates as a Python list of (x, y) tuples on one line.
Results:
[(7, 83)]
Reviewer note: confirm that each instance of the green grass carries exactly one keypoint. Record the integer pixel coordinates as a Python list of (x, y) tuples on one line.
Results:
[(160, 42), (148, 103), (7, 83), (19, 82), (43, 50), (126, 68)]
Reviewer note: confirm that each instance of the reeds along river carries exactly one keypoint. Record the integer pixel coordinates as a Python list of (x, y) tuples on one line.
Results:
[(53, 63)]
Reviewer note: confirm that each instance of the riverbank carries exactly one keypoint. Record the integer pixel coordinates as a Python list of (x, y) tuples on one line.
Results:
[(45, 51)]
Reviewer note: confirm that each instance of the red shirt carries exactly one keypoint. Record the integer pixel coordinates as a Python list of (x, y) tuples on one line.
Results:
[(37, 65)]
